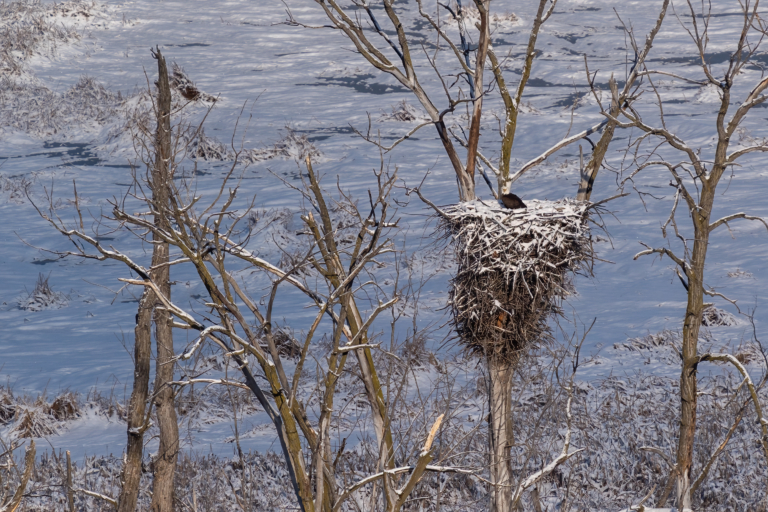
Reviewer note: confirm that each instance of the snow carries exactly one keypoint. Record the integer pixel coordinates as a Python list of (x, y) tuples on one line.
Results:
[(307, 83)]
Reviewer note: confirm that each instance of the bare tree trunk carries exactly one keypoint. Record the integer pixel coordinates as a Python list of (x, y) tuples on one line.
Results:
[(589, 173), (691, 327), (136, 408), (500, 436), (477, 109), (165, 462), (465, 182), (70, 493)]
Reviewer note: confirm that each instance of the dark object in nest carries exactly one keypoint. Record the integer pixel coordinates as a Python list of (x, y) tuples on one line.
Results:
[(513, 270), (512, 202)]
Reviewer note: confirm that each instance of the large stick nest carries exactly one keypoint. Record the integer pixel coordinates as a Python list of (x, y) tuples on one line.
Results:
[(514, 266)]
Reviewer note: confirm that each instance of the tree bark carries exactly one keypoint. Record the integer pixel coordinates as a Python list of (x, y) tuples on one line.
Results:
[(589, 173), (464, 181), (691, 327), (477, 109), (165, 462), (500, 436), (131, 476)]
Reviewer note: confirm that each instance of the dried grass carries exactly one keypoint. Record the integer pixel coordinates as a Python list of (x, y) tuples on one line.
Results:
[(65, 407), (43, 297), (186, 87), (30, 27), (471, 16), (29, 418), (35, 109), (513, 269), (613, 420), (404, 112), (293, 146), (34, 422), (24, 416), (716, 317), (7, 406), (17, 188)]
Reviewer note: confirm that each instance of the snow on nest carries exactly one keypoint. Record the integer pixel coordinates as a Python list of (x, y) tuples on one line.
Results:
[(523, 235)]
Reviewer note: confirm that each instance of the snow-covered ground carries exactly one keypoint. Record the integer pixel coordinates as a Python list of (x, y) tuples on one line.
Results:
[(291, 86)]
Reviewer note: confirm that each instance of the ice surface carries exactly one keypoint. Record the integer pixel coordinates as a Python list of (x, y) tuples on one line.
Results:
[(307, 81)]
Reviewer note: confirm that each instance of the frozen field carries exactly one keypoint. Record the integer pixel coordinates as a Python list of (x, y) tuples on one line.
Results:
[(291, 87)]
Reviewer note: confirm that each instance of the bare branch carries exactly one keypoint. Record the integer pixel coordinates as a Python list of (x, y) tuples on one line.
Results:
[(425, 457), (725, 220), (387, 149), (29, 464), (741, 152), (549, 468), (560, 145), (665, 73), (663, 251), (104, 497), (208, 381), (752, 391), (364, 328)]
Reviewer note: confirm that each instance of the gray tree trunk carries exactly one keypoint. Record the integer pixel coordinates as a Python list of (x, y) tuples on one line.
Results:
[(691, 328), (165, 461), (500, 436), (131, 476)]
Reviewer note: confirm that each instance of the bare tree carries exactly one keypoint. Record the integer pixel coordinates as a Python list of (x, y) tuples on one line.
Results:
[(350, 22), (159, 176), (696, 178), (149, 306), (207, 238), (363, 35), (623, 98)]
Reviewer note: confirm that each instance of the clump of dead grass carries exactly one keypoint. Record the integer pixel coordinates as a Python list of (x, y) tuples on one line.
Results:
[(33, 108), (16, 187), (184, 85), (292, 145), (30, 27), (404, 112), (716, 317), (470, 16), (7, 406), (43, 297), (28, 417)]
